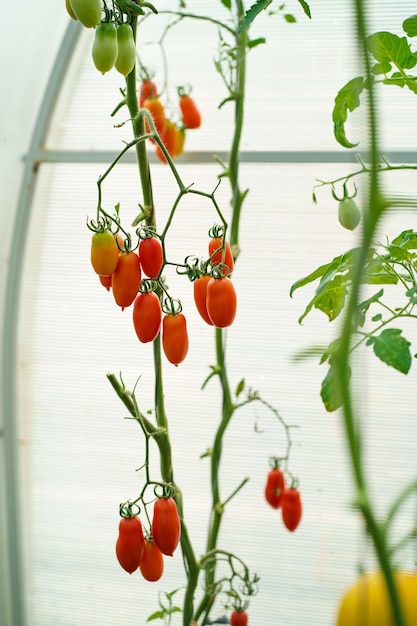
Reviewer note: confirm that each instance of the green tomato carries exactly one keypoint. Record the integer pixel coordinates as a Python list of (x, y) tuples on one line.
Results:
[(126, 55), (88, 12), (105, 47), (349, 213)]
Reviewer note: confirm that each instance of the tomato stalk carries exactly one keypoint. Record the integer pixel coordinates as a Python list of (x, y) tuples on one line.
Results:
[(352, 426)]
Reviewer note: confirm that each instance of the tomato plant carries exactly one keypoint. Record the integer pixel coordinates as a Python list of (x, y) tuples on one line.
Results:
[(126, 279), (152, 563), (291, 508), (367, 603), (147, 316), (88, 12), (238, 618), (105, 49), (191, 117), (200, 296), (104, 253), (166, 525), (130, 543), (221, 301), (151, 256), (126, 49), (274, 487), (175, 337), (217, 253)]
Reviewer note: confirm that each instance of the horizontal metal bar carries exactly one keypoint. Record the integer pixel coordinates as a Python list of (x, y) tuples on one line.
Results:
[(283, 156)]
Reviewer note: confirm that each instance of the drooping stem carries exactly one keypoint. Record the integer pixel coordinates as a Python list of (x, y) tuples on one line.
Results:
[(351, 422)]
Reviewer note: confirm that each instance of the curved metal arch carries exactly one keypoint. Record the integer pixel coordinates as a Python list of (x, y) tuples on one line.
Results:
[(8, 386)]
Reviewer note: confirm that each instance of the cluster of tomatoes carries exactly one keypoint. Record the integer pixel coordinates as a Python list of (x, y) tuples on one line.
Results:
[(135, 550), (171, 133), (134, 278), (278, 495)]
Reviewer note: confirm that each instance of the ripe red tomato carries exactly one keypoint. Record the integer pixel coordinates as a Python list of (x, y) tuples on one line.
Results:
[(104, 253), (291, 508), (166, 525), (175, 337), (215, 243), (190, 114), (148, 89), (200, 296), (147, 316), (130, 543), (239, 618), (156, 108), (151, 256), (274, 487), (106, 281), (126, 279), (170, 139), (152, 563), (221, 301)]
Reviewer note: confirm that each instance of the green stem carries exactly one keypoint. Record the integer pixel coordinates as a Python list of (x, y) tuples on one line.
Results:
[(375, 207)]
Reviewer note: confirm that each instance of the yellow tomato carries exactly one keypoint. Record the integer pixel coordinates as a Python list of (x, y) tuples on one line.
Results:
[(366, 602)]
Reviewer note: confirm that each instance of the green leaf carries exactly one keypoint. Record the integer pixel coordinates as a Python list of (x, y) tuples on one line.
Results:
[(364, 306), (129, 7), (381, 68), (393, 349), (412, 294), (240, 387), (305, 7), (407, 239), (331, 393), (289, 18), (388, 48), (331, 300), (346, 100), (253, 12), (410, 26), (156, 615), (411, 83), (399, 253), (227, 4), (256, 42)]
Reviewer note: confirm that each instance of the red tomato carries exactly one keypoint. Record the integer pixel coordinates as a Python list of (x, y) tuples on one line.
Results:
[(104, 253), (156, 108), (130, 543), (152, 563), (200, 296), (274, 487), (221, 301), (170, 139), (151, 256), (239, 618), (166, 525), (106, 281), (148, 89), (215, 243), (126, 279), (291, 508), (175, 338), (190, 114), (147, 316)]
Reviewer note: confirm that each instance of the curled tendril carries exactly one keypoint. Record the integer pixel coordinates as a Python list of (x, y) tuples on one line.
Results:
[(217, 230), (168, 490), (99, 226), (147, 285), (171, 306), (221, 271), (129, 509), (194, 267), (145, 232)]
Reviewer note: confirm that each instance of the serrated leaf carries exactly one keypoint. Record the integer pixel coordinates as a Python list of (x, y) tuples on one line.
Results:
[(253, 12), (412, 294), (331, 300), (302, 282), (346, 100), (411, 83), (330, 392), (227, 4), (410, 26), (156, 615), (393, 349), (364, 306), (381, 68), (399, 253), (407, 239), (388, 48), (305, 7)]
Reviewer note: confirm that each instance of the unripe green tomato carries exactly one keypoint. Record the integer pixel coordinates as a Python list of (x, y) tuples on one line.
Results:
[(70, 10), (126, 54), (349, 213), (105, 47), (88, 12)]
